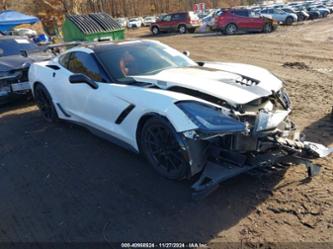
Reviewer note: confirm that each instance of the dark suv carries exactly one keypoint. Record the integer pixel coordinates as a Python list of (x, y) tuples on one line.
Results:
[(181, 22)]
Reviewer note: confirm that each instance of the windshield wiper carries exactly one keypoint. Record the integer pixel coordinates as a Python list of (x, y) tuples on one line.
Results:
[(132, 82), (158, 70)]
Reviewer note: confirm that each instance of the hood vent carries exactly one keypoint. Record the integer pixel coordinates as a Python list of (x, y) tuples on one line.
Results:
[(247, 81), (242, 80)]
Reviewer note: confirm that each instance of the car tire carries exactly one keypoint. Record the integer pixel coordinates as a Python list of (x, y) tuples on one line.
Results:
[(191, 30), (155, 30), (301, 18), (159, 143), (182, 29), (231, 29), (45, 104), (315, 16), (325, 15), (268, 28), (289, 20)]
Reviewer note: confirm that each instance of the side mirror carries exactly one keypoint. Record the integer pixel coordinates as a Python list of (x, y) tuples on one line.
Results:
[(82, 79), (187, 53)]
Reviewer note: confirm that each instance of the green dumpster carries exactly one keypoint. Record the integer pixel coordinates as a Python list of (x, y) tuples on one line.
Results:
[(91, 27)]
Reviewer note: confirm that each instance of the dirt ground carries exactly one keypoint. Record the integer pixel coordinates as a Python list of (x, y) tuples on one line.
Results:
[(60, 183)]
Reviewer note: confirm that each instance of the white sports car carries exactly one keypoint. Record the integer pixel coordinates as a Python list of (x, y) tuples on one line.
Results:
[(185, 117)]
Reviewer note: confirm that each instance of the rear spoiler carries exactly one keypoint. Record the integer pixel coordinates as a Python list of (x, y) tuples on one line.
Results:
[(56, 48), (65, 44)]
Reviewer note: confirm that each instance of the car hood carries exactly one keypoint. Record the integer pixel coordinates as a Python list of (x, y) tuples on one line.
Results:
[(234, 83), (14, 62)]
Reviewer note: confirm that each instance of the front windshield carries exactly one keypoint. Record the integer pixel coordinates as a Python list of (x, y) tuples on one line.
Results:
[(15, 46), (141, 58)]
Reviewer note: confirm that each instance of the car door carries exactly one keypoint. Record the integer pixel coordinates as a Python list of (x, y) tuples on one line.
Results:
[(234, 17), (73, 98), (279, 15), (98, 108), (257, 22), (241, 19), (164, 25), (175, 20)]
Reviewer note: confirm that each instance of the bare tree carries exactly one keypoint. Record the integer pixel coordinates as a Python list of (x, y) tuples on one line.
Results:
[(4, 4)]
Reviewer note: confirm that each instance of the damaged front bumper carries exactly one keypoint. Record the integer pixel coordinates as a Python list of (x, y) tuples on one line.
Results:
[(287, 152), (272, 141), (14, 84), (257, 135)]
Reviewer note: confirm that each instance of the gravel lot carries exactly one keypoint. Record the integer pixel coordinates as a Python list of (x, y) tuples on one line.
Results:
[(60, 183)]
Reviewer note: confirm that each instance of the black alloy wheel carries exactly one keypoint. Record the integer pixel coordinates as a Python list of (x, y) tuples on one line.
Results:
[(161, 146), (44, 103)]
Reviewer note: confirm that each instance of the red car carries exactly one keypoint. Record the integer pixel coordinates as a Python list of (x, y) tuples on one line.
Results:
[(231, 21), (181, 22)]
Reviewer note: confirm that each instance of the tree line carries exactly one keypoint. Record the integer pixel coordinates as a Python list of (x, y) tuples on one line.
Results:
[(116, 8)]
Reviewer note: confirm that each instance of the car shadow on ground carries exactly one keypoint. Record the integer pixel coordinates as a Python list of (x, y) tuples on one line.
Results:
[(161, 35), (197, 35), (321, 131), (58, 182), (15, 104), (219, 34)]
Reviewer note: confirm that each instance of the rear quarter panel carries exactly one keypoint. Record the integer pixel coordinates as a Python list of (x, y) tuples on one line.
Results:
[(39, 72)]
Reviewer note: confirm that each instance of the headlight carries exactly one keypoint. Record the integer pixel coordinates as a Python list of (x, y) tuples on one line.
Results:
[(268, 120), (210, 119)]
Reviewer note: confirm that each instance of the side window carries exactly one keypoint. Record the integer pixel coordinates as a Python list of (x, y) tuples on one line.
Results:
[(84, 63), (167, 18), (176, 17), (220, 13), (63, 60), (241, 13), (185, 16)]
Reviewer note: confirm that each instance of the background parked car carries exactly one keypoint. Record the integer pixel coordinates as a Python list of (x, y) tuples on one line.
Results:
[(313, 14), (182, 22), (209, 21), (279, 15), (25, 32), (122, 21), (324, 12), (148, 20), (301, 15), (17, 53), (234, 20), (330, 7), (134, 23)]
